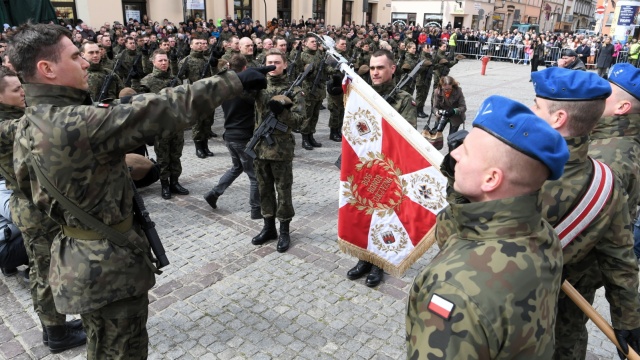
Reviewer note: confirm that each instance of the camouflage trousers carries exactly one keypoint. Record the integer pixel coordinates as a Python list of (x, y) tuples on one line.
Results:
[(118, 330), (201, 131), (312, 108), (169, 151), (38, 231), (275, 178), (336, 111), (571, 322), (422, 91)]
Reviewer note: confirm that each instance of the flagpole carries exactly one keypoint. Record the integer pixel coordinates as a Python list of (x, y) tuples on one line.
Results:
[(597, 319)]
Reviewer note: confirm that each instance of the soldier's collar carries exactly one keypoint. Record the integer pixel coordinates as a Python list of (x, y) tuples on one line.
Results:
[(615, 126), (578, 148), (9, 111), (37, 94)]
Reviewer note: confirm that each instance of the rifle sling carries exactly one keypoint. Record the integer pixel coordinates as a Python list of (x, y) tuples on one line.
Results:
[(109, 233)]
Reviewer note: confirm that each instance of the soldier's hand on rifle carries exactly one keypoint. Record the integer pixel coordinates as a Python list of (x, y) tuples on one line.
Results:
[(278, 103), (335, 85), (363, 69), (406, 68), (443, 61), (426, 64), (626, 338), (252, 79)]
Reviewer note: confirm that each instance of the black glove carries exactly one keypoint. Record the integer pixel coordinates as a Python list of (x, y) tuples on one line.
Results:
[(334, 86), (449, 113), (276, 107), (626, 338), (173, 56), (254, 78), (453, 141)]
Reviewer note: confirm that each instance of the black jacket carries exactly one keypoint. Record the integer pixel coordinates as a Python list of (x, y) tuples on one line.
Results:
[(239, 118)]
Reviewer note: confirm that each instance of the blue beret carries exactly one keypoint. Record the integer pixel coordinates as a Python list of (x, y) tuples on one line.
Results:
[(517, 126), (569, 85), (627, 77)]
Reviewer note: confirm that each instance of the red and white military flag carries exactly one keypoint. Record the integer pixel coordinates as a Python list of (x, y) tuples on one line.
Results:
[(390, 185)]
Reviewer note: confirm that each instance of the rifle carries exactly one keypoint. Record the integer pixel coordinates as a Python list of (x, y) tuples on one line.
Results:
[(271, 123), (180, 73), (403, 81), (133, 70), (106, 84), (295, 59), (356, 53), (319, 72), (401, 59), (207, 66), (141, 214)]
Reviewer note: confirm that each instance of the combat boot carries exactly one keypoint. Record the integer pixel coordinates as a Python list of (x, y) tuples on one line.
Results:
[(375, 276), (313, 141), (283, 239), (176, 188), (212, 199), (206, 148), (74, 325), (361, 268), (421, 114), (268, 232), (166, 190), (61, 338), (305, 142), (199, 149), (335, 135)]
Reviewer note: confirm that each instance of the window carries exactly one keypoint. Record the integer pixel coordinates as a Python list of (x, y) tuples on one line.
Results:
[(194, 10), (65, 10), (284, 10), (346, 11), (241, 8), (433, 20), (318, 9), (609, 19)]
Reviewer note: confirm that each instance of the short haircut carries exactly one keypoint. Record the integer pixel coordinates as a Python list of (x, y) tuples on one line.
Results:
[(383, 52), (582, 115), (5, 72), (129, 38), (156, 53), (237, 62), (33, 43), (84, 45), (274, 51)]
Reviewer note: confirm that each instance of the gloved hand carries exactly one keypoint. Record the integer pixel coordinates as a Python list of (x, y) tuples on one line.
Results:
[(453, 141), (460, 57), (173, 55), (426, 64), (278, 103), (443, 61), (626, 338), (363, 69), (449, 112), (406, 68), (334, 86), (254, 78)]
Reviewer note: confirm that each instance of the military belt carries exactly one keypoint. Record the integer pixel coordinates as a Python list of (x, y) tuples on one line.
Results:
[(83, 234)]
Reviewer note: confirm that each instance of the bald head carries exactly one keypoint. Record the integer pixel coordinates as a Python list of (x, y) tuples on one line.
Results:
[(246, 46)]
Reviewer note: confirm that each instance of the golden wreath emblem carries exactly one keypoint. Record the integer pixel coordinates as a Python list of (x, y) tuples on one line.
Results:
[(386, 240), (428, 190), (375, 196), (364, 123)]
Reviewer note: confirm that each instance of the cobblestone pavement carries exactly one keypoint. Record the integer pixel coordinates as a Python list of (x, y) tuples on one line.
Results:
[(223, 298)]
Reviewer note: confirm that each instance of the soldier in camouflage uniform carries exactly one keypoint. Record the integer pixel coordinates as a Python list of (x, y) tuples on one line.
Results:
[(606, 245), (423, 82), (232, 46), (410, 61), (313, 94), (616, 138), (442, 64), (335, 102), (273, 165), (130, 57), (38, 230), (383, 67), (168, 148), (196, 63), (98, 74), (246, 50), (80, 148), (491, 293)]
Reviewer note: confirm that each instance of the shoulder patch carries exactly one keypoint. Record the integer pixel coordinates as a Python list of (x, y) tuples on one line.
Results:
[(441, 306)]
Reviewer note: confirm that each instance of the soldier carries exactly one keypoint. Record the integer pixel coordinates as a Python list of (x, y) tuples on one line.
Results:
[(106, 45), (119, 46), (442, 64), (382, 67), (423, 82), (246, 50), (239, 121), (98, 74), (196, 63), (38, 230), (168, 148), (314, 90), (273, 165), (490, 293), (80, 148), (572, 102), (335, 102), (232, 46), (131, 59), (104, 59), (410, 61)]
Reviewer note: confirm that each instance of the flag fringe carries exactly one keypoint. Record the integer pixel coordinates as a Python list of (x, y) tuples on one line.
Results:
[(394, 270)]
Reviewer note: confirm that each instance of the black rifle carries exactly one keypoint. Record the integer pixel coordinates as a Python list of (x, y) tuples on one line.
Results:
[(401, 59), (106, 84), (141, 214), (270, 123), (403, 81), (294, 60), (356, 53), (207, 65), (180, 73), (133, 70), (319, 72)]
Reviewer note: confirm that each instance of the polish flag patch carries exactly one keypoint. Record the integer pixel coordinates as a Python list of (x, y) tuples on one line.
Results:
[(441, 306)]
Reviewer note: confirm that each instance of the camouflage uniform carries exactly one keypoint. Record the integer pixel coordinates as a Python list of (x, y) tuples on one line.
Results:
[(273, 166), (228, 54), (97, 75), (410, 61), (335, 104), (38, 230), (503, 284), (196, 62), (168, 148), (313, 99), (81, 150), (107, 63), (364, 58), (402, 102), (251, 62), (440, 70), (128, 60), (423, 81)]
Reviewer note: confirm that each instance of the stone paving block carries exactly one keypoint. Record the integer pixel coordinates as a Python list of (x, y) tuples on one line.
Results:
[(11, 348)]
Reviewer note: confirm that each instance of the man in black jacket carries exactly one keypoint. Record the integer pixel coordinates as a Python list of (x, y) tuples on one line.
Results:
[(239, 122)]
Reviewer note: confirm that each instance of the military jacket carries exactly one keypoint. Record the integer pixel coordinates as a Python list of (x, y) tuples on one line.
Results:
[(196, 63), (81, 148), (155, 81), (107, 63), (364, 58), (251, 62), (440, 69), (228, 54), (282, 149), (128, 59), (501, 270), (402, 102), (313, 57), (423, 76), (97, 76), (616, 141), (9, 116)]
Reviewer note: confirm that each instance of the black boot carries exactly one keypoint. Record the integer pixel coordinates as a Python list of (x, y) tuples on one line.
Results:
[(268, 232), (305, 142), (335, 135), (166, 191), (361, 268), (421, 114), (61, 338), (313, 141), (75, 325), (283, 239), (212, 198), (375, 276), (206, 148), (200, 149), (176, 188)]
